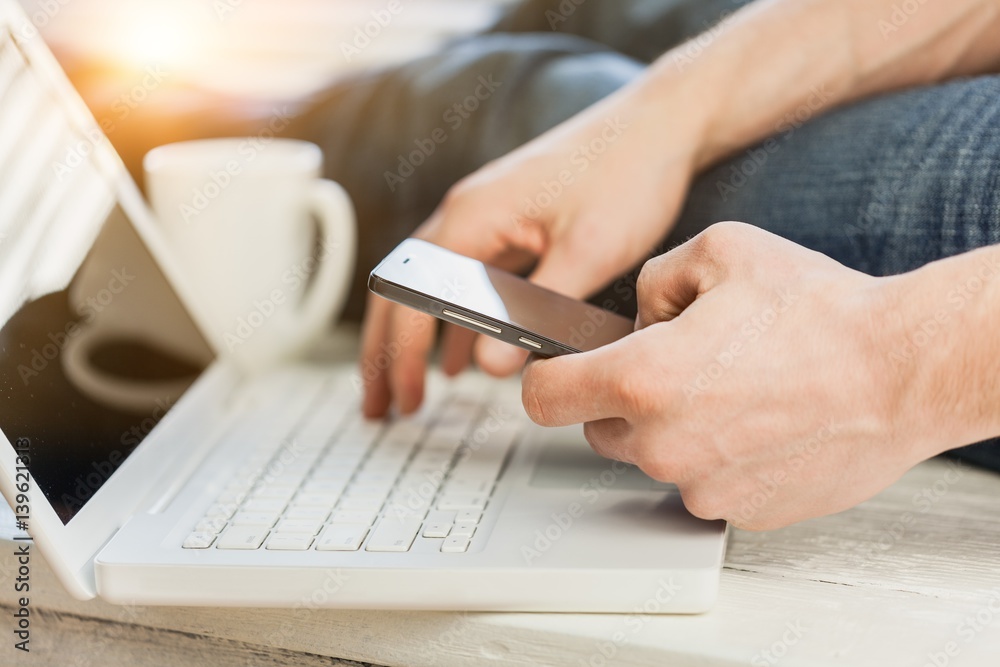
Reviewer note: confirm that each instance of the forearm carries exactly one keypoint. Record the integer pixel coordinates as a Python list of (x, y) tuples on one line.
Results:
[(943, 347), (776, 63)]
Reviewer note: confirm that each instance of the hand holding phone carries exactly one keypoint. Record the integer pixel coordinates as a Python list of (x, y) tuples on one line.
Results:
[(491, 301)]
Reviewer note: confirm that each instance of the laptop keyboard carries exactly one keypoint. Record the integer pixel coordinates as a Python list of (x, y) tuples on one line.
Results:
[(340, 483)]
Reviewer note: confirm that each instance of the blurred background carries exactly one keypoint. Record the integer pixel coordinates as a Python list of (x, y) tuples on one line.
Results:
[(156, 71)]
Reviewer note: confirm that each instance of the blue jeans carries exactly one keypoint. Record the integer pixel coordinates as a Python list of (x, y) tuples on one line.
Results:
[(883, 186)]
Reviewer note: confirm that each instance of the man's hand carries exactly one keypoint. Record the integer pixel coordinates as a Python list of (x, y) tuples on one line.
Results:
[(576, 207), (759, 380), (584, 202)]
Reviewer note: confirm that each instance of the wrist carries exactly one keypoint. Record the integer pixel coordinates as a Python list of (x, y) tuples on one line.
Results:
[(686, 105), (661, 132), (802, 65), (942, 353)]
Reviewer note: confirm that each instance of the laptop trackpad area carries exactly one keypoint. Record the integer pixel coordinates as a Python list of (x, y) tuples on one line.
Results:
[(567, 462)]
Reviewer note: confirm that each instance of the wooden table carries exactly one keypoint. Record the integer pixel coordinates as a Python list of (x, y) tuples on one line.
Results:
[(911, 577)]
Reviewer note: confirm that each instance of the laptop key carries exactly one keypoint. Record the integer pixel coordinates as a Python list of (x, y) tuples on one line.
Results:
[(375, 477), (403, 513), (463, 530), (354, 516), (436, 529), (455, 545), (266, 505), (265, 519), (232, 497), (282, 478), (462, 502), (242, 537), (279, 494), (198, 540), (285, 542), (213, 525), (468, 487), (304, 526), (306, 512), (393, 535), (317, 499), (223, 511), (468, 516), (330, 486), (361, 504), (342, 537), (369, 490)]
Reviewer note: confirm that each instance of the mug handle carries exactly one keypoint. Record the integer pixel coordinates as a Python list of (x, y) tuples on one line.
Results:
[(115, 392), (332, 206)]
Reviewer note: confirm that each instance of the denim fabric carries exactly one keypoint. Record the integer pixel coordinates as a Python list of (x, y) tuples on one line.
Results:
[(639, 29), (396, 142), (884, 186)]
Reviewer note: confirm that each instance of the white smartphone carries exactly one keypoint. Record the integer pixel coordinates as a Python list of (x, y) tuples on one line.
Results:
[(491, 301)]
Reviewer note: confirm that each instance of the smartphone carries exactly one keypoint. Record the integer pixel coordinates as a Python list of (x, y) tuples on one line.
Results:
[(491, 301)]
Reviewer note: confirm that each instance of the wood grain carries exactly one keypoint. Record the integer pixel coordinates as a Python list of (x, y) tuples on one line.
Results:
[(69, 640), (850, 589)]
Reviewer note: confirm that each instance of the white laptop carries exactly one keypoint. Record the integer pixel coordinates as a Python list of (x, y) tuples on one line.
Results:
[(161, 475)]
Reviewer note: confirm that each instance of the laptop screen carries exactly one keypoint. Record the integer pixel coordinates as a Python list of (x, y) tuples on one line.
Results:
[(95, 345)]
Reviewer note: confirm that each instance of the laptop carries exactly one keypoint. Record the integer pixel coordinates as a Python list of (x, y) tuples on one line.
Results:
[(148, 469)]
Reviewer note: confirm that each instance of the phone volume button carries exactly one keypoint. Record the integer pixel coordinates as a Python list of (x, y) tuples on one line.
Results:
[(533, 343), (469, 320)]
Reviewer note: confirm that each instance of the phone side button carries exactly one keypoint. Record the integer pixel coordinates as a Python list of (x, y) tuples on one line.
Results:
[(532, 343), (469, 320)]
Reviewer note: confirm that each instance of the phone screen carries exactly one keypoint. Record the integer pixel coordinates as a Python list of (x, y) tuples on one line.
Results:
[(441, 278)]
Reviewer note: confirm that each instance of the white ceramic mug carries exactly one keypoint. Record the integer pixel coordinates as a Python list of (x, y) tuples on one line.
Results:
[(239, 216)]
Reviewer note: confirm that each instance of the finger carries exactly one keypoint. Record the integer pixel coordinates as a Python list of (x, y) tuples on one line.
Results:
[(375, 380), (411, 337), (456, 348), (574, 388), (567, 272), (485, 230), (671, 282), (498, 358), (611, 438)]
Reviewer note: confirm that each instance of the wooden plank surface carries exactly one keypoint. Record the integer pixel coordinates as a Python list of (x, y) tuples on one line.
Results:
[(895, 581), (69, 640)]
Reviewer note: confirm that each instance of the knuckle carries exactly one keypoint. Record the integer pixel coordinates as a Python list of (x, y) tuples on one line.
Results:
[(718, 241), (459, 193), (754, 524), (703, 503), (645, 283), (663, 461), (460, 200), (659, 466), (596, 436), (530, 397), (633, 392)]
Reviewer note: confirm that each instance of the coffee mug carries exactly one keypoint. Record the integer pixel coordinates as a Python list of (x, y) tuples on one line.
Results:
[(267, 245)]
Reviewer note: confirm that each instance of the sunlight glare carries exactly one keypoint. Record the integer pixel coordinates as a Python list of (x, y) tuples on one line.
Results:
[(155, 32)]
